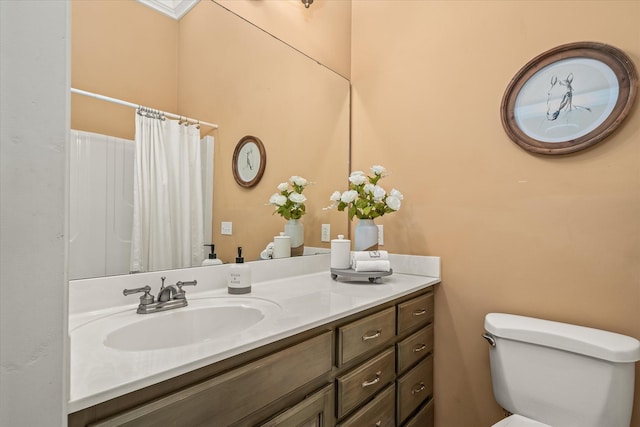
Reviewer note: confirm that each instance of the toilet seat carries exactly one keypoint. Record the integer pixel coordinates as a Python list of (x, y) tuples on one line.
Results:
[(519, 421)]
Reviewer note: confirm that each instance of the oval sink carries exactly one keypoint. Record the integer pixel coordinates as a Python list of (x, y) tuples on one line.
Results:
[(200, 321)]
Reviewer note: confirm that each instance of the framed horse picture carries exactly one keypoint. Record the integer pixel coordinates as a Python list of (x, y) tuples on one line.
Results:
[(569, 98)]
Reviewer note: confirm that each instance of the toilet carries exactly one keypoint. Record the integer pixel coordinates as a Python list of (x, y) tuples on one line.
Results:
[(551, 374)]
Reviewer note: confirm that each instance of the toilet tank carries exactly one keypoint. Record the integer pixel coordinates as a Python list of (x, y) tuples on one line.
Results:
[(560, 374)]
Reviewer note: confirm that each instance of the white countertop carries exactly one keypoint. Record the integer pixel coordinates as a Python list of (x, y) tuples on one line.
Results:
[(301, 302)]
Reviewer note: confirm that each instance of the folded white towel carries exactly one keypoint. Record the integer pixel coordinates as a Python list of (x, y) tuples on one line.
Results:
[(369, 255), (378, 265)]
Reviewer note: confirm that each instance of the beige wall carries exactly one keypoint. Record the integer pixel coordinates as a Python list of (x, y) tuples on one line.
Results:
[(554, 237), (323, 31), (124, 50)]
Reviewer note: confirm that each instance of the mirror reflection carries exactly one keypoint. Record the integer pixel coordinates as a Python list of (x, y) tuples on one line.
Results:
[(214, 66)]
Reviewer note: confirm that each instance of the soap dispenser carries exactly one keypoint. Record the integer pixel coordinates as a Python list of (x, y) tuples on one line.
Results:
[(213, 259), (239, 276)]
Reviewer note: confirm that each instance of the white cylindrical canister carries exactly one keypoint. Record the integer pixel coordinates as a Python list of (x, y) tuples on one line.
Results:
[(282, 246), (341, 253)]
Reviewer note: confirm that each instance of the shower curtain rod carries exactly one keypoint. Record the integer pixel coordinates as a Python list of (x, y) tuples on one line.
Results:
[(132, 105)]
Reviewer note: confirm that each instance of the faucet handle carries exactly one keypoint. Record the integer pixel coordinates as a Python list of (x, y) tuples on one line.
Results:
[(180, 284), (191, 283), (145, 299)]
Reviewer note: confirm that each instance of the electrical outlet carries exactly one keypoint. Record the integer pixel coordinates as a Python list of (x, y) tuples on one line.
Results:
[(226, 228), (380, 235), (325, 235)]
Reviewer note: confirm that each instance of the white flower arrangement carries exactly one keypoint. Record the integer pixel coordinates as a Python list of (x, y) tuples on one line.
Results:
[(365, 199), (289, 203)]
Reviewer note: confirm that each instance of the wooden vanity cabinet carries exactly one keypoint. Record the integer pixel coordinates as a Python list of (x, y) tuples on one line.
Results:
[(371, 368)]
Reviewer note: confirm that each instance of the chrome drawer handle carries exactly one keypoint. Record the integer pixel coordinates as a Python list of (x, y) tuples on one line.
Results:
[(420, 312), (418, 389), (376, 334), (376, 380), (419, 348)]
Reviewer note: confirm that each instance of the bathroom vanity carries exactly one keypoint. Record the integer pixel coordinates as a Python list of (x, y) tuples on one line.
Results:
[(346, 353)]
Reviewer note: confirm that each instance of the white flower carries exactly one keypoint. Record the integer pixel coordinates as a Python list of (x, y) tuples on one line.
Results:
[(393, 202), (395, 193), (283, 186), (368, 188), (378, 170), (298, 180), (289, 203), (277, 199), (365, 199), (357, 179), (378, 193), (297, 197), (349, 196)]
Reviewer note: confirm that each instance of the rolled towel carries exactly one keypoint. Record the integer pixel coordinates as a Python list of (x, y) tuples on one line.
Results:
[(378, 265), (369, 255)]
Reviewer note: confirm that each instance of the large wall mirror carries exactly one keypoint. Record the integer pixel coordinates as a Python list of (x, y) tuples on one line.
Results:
[(214, 66)]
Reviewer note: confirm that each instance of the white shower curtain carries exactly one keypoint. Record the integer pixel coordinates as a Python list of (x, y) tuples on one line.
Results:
[(167, 196)]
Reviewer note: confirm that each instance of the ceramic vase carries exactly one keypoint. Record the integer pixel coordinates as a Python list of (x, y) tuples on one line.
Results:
[(295, 230), (365, 236)]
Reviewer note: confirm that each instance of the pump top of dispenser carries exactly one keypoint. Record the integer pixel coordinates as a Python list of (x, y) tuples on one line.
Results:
[(239, 258), (212, 259), (212, 254)]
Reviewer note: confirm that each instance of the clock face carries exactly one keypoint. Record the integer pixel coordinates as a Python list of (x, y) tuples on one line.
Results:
[(249, 161)]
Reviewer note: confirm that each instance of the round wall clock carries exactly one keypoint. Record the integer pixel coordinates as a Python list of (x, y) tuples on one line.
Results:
[(249, 161)]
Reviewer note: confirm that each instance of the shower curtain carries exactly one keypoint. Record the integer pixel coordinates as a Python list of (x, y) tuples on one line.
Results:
[(167, 196)]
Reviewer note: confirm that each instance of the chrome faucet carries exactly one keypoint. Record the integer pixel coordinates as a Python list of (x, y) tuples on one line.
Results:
[(167, 293), (169, 297)]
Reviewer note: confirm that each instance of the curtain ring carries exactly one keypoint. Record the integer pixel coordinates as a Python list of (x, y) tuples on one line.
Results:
[(198, 124)]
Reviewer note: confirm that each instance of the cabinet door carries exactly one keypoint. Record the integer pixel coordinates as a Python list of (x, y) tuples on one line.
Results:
[(314, 411), (227, 398)]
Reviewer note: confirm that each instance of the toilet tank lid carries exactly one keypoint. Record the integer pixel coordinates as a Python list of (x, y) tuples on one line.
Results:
[(578, 339)]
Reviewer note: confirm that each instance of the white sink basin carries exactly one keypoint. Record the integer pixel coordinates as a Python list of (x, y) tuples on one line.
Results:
[(203, 320)]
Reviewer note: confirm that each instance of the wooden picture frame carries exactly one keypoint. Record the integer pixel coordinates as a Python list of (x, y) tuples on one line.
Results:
[(569, 98), (249, 161)]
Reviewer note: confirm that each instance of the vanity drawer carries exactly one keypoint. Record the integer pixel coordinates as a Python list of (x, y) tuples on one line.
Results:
[(251, 387), (424, 417), (415, 312), (414, 387), (380, 412), (414, 347), (358, 337), (359, 384)]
